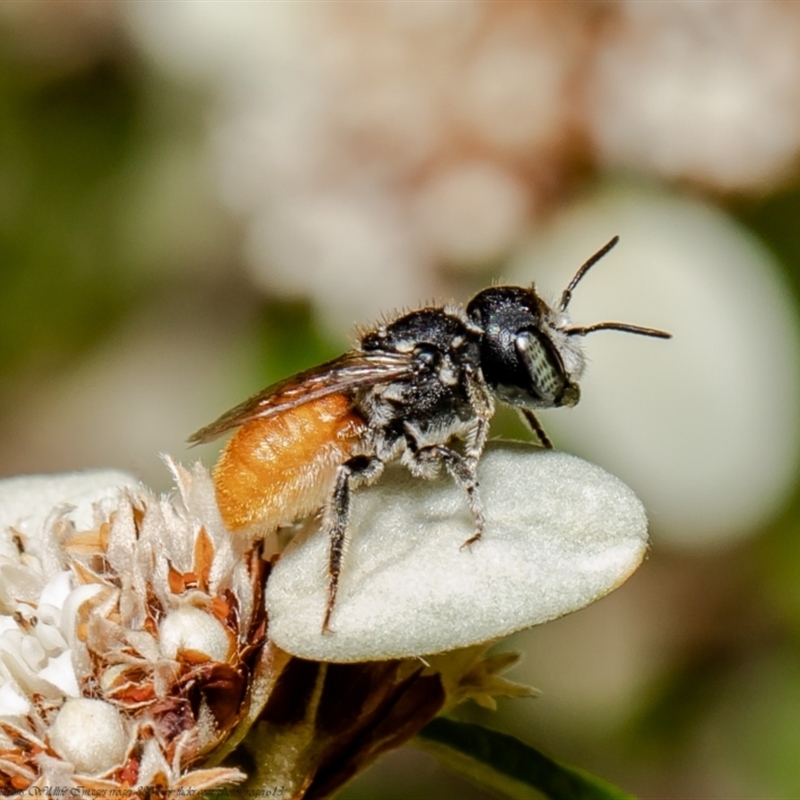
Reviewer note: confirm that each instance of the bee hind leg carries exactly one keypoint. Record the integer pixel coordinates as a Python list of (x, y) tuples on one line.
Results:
[(360, 469)]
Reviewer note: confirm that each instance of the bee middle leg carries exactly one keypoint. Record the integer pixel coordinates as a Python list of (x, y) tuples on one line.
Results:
[(463, 470), (360, 469)]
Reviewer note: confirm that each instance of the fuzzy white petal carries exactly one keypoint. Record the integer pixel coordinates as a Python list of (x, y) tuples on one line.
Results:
[(560, 533)]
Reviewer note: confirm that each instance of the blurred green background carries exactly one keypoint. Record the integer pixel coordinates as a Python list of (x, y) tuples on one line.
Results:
[(197, 199)]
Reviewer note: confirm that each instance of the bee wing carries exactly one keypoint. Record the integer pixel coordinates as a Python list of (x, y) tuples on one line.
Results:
[(350, 371)]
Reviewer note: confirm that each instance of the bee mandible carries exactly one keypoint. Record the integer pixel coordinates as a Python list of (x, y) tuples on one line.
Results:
[(420, 389)]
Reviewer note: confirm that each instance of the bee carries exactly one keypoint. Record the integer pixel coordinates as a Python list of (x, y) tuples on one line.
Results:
[(420, 390)]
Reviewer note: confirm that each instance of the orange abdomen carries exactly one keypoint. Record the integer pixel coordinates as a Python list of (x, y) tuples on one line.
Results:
[(279, 469)]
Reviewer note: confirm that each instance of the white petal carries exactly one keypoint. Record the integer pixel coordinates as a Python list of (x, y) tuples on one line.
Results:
[(12, 645), (69, 614), (32, 652), (26, 501), (7, 623), (50, 637), (12, 702), (560, 533), (60, 672), (53, 596), (20, 582), (8, 548), (153, 764)]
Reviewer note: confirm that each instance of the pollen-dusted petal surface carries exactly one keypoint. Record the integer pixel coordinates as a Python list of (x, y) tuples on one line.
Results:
[(560, 533)]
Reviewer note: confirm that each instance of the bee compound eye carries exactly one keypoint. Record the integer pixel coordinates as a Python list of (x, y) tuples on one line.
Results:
[(545, 371)]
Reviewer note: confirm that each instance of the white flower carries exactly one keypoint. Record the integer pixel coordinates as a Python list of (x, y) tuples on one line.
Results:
[(136, 649), (367, 144), (704, 91), (93, 569)]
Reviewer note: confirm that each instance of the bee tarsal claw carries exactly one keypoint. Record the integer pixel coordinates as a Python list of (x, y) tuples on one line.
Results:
[(472, 539)]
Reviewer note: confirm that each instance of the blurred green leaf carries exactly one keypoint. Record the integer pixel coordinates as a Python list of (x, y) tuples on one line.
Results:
[(774, 220), (65, 136), (291, 340), (508, 765)]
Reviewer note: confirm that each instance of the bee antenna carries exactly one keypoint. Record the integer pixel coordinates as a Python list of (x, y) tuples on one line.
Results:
[(617, 326), (567, 294)]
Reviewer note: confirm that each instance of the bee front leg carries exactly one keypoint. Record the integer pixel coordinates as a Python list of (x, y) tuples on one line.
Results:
[(463, 470), (358, 470), (536, 427)]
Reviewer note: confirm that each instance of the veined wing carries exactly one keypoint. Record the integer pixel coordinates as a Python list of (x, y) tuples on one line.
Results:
[(351, 371)]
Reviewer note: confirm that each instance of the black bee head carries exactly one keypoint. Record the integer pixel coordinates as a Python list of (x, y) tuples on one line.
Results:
[(530, 353), (525, 358)]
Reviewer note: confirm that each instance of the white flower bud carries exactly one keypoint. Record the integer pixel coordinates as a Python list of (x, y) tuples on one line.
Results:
[(90, 734), (190, 628)]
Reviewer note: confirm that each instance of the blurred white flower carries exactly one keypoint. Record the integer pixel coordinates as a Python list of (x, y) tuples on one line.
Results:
[(469, 213), (329, 245), (375, 149), (705, 426), (368, 144), (704, 91), (514, 89)]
